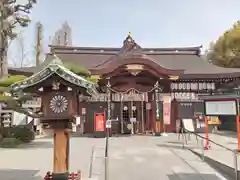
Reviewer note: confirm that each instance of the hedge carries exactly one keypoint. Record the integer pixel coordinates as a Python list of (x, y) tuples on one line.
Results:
[(10, 142), (22, 133), (11, 79)]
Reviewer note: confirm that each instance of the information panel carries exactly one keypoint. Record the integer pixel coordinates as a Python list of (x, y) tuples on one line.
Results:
[(220, 108), (188, 125)]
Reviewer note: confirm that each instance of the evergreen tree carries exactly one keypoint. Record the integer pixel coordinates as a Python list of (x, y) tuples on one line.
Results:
[(225, 51), (13, 14)]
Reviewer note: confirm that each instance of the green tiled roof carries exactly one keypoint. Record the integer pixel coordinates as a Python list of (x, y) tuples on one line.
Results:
[(55, 67)]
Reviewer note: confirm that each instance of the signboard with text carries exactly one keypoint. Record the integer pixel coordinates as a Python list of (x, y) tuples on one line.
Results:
[(220, 108)]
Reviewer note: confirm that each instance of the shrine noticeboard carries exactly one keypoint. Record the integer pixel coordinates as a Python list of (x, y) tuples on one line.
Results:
[(99, 122), (188, 125)]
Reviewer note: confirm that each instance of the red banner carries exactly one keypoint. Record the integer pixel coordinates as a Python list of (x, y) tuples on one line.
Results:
[(99, 122), (167, 113)]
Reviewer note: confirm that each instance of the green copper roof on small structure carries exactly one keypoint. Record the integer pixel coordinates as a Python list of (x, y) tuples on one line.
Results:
[(55, 67)]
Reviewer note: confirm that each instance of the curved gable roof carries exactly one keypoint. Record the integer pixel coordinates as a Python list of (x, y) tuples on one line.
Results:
[(185, 58)]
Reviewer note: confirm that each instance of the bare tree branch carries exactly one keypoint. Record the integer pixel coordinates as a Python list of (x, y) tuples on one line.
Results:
[(18, 54)]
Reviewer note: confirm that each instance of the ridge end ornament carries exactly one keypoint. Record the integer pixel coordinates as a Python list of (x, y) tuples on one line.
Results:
[(55, 85)]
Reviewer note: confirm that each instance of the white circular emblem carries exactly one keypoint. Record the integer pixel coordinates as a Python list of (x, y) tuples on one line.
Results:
[(125, 108), (134, 108), (58, 104)]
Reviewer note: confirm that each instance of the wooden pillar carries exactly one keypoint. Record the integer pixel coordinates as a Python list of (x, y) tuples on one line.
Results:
[(61, 151), (206, 147), (153, 116), (158, 121), (174, 115), (149, 111), (142, 115), (238, 124), (238, 131)]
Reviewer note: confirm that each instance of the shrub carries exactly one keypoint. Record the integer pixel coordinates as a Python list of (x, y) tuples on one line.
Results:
[(23, 134), (6, 132), (10, 143), (1, 137), (81, 71), (11, 79)]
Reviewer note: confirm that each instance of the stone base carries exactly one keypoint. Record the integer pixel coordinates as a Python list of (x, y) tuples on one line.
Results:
[(63, 176), (99, 134), (60, 176), (158, 134)]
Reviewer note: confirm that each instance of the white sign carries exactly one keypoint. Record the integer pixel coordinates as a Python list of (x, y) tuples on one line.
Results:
[(148, 106), (188, 125), (32, 104), (108, 124), (78, 120), (133, 120), (202, 125), (83, 111), (220, 108), (74, 128)]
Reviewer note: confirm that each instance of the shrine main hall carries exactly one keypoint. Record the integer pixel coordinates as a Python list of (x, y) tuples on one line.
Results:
[(154, 87)]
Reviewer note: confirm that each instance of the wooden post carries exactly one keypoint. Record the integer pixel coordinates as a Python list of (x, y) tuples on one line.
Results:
[(68, 148), (206, 133), (60, 151)]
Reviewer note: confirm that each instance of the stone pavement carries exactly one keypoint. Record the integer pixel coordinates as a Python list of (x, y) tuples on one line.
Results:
[(215, 152), (217, 156), (130, 158), (155, 158), (31, 162)]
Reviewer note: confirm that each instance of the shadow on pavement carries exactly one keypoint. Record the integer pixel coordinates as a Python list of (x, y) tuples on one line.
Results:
[(174, 142), (17, 174), (192, 176), (234, 143), (227, 134), (224, 169), (175, 146), (92, 135), (37, 144), (77, 135)]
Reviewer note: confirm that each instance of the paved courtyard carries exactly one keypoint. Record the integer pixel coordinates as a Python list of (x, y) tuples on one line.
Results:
[(130, 158)]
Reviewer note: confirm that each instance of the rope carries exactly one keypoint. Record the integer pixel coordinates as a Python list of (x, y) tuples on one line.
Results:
[(128, 90)]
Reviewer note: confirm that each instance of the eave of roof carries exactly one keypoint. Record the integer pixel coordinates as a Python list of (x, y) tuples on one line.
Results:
[(218, 97), (117, 49), (61, 71), (194, 66), (184, 58)]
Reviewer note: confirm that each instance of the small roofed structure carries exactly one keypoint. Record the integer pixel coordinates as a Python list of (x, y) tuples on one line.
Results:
[(34, 82), (59, 89)]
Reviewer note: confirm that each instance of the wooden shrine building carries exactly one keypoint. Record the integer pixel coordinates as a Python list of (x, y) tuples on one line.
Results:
[(147, 85)]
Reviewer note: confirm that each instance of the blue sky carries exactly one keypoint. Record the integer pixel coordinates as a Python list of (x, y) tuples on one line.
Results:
[(153, 23)]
